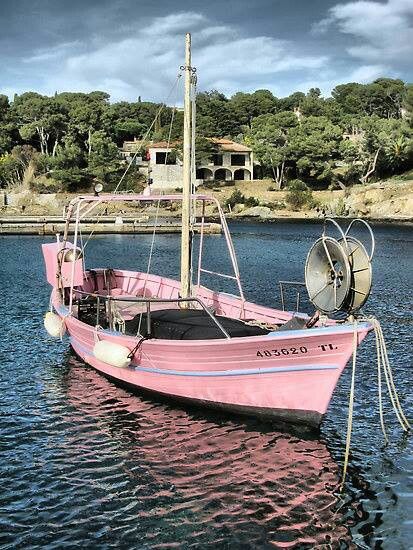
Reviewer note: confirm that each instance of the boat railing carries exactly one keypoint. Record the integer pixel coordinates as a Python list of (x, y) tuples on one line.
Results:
[(147, 301), (282, 285), (83, 206)]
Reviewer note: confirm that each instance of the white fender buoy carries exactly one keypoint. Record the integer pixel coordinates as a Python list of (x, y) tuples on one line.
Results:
[(54, 325), (113, 354)]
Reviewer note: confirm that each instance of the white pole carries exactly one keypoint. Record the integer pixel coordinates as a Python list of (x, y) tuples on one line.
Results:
[(186, 199)]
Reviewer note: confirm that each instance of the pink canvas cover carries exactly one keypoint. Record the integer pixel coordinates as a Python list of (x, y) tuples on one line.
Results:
[(50, 255)]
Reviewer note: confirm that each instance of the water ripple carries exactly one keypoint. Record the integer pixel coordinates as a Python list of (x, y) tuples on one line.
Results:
[(85, 463)]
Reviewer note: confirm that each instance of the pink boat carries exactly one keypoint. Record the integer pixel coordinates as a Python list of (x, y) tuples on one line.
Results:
[(190, 343), (223, 352)]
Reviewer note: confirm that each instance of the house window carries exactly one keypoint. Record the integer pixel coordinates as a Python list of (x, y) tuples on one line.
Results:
[(217, 160), (237, 160), (165, 158)]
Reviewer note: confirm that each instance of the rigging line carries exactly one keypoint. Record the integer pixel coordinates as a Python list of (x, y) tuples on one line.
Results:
[(161, 108), (95, 224), (156, 218), (193, 172)]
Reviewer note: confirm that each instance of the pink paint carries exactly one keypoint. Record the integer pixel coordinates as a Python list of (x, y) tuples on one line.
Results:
[(289, 374), (52, 253)]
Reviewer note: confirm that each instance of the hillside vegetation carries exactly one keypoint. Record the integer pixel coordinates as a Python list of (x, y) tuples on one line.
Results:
[(360, 134)]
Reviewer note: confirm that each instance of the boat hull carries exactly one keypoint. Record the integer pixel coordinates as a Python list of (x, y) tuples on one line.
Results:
[(295, 416), (294, 389), (289, 375)]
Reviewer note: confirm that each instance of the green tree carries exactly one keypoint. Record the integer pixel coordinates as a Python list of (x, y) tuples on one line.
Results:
[(103, 161), (408, 103), (7, 128), (125, 121), (85, 115), (380, 147), (290, 102), (383, 98), (246, 107), (215, 116), (314, 148), (269, 137), (42, 121), (298, 195), (9, 171)]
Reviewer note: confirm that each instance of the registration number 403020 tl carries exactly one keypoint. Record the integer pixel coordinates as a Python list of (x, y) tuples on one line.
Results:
[(282, 351)]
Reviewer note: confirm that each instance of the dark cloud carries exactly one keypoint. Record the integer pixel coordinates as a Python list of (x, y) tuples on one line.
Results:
[(131, 47)]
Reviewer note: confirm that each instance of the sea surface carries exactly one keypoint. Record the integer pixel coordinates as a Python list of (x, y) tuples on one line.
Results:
[(86, 464)]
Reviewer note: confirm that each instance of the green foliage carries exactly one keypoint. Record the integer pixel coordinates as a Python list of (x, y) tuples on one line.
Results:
[(314, 146), (382, 147), (204, 149), (246, 107), (340, 209), (408, 103), (251, 201), (269, 137), (14, 166), (383, 98), (298, 195), (73, 179), (239, 198), (216, 115), (9, 171), (76, 136), (236, 198)]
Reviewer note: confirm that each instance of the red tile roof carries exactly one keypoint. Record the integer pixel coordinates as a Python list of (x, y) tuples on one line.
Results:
[(223, 144), (229, 145)]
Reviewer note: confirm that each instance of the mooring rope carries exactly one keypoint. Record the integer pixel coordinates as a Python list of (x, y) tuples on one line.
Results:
[(350, 408), (383, 364), (383, 359)]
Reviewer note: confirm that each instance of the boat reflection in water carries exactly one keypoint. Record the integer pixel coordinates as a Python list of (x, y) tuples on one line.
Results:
[(181, 477)]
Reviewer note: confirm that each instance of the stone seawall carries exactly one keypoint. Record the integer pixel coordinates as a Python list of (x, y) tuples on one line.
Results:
[(53, 225)]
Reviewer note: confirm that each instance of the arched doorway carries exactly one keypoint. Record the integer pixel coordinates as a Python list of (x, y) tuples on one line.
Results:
[(242, 174), (223, 174), (204, 174)]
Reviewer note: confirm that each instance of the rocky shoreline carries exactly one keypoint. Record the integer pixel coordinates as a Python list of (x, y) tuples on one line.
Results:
[(380, 202)]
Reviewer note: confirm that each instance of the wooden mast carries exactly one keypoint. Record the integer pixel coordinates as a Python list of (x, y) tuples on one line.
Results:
[(186, 191)]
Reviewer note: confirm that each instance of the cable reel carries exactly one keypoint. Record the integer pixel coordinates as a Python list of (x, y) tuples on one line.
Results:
[(338, 273)]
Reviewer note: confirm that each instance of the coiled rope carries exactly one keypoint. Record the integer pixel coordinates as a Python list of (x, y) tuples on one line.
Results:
[(383, 366)]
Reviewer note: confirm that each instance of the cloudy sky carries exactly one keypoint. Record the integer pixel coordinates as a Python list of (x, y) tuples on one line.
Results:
[(133, 48)]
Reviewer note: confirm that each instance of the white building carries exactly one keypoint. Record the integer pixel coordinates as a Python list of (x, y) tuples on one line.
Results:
[(232, 161)]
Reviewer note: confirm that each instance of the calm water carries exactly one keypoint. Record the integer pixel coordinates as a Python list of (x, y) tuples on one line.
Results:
[(87, 464)]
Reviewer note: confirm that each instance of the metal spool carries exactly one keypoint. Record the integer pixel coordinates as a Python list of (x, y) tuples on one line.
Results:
[(70, 255), (328, 275), (361, 275)]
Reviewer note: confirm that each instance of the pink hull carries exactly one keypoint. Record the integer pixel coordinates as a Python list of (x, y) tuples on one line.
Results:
[(289, 375)]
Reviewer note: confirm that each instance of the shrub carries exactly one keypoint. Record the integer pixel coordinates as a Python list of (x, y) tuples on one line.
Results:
[(209, 184), (236, 198), (298, 195), (251, 201), (276, 205), (45, 184), (341, 209), (9, 171)]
